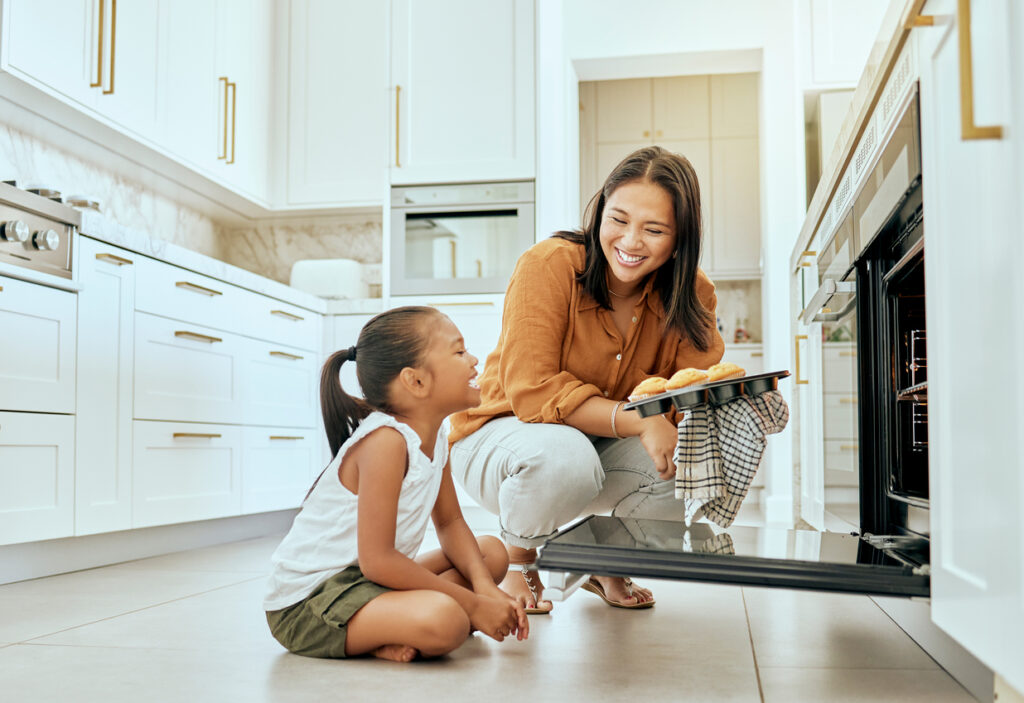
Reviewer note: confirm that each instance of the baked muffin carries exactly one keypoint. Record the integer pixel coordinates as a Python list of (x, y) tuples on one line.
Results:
[(725, 370), (686, 377), (648, 387)]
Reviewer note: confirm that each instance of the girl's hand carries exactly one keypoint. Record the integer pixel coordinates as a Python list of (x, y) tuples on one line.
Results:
[(659, 437), (498, 618), (522, 622)]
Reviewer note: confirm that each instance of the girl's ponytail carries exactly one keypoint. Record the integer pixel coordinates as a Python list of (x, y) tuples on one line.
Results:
[(341, 412)]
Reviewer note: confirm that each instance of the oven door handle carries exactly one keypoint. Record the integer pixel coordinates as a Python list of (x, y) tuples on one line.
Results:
[(813, 311)]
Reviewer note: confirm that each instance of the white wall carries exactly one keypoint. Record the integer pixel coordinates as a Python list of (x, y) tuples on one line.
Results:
[(602, 39)]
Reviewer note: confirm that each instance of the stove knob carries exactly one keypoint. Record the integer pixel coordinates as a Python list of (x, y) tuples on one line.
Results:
[(46, 240), (14, 231)]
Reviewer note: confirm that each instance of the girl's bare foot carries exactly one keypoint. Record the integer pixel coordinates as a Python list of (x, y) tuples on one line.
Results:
[(396, 652)]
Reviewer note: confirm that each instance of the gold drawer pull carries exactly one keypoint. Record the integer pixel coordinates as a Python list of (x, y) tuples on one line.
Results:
[(796, 340), (286, 315), (278, 436), (968, 129), (196, 435), (196, 336), (398, 130), (195, 288), (848, 447), (848, 400), (847, 353), (756, 353), (805, 264), (114, 259), (113, 43), (286, 355)]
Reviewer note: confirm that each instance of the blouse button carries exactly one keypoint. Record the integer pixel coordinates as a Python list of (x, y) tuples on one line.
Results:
[(618, 357), (634, 318), (606, 394)]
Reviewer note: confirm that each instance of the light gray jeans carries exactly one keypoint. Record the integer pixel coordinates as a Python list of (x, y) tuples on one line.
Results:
[(537, 477)]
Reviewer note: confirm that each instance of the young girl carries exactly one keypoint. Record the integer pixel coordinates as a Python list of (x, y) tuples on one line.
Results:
[(346, 580)]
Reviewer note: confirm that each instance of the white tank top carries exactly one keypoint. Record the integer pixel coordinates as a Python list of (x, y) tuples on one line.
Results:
[(322, 540)]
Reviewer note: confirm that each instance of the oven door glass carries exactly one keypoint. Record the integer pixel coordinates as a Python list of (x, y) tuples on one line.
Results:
[(750, 556)]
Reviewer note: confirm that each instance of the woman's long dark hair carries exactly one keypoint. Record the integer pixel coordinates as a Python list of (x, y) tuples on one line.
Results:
[(388, 343), (676, 280)]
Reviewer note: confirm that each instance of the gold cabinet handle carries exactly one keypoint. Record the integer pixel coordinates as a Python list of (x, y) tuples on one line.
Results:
[(398, 101), (757, 353), (479, 268), (99, 51), (196, 435), (274, 437), (113, 44), (969, 130), (647, 132), (286, 355), (848, 401), (287, 315), (796, 340), (234, 94), (848, 447), (196, 288), (224, 138), (114, 259), (198, 337)]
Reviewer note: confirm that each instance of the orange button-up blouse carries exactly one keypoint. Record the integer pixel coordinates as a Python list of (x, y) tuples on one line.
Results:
[(558, 347)]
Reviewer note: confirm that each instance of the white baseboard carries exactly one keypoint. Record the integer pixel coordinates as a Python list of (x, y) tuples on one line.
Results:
[(19, 562)]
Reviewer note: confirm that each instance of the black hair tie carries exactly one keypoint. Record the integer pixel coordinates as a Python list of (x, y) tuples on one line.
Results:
[(351, 354)]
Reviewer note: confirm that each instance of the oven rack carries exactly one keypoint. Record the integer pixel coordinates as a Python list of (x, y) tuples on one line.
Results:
[(715, 393), (917, 393)]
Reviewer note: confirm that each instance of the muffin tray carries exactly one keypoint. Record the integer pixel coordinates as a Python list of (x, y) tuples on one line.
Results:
[(715, 393)]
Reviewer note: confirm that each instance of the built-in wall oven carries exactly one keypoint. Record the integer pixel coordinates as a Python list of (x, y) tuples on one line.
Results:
[(870, 303)]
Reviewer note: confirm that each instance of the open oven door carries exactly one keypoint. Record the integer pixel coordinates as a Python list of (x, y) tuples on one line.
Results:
[(744, 556)]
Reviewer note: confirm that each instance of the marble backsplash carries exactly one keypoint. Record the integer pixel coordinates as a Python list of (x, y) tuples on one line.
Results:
[(268, 248)]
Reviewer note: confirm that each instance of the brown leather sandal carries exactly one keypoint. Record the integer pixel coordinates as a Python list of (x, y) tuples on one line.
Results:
[(594, 586)]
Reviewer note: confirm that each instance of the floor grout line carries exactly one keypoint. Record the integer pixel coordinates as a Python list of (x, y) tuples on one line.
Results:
[(753, 651), (31, 640)]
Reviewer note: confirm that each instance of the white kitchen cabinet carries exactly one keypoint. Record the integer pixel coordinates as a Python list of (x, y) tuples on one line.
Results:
[(345, 334), (462, 76), (184, 472), (973, 250), (37, 345), (748, 356), (278, 467), (186, 372), (735, 234), (841, 34), (279, 383), (37, 476), (338, 103), (131, 54), (105, 362), (624, 110)]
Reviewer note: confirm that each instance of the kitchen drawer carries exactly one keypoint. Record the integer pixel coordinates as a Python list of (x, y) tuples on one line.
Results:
[(749, 357), (278, 467), (839, 367), (37, 346), (185, 471), (841, 454), (840, 415), (280, 385), (269, 319), (185, 372), (37, 477), (174, 292)]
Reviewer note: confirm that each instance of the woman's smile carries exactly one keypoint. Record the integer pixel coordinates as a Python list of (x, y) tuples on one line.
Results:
[(627, 259)]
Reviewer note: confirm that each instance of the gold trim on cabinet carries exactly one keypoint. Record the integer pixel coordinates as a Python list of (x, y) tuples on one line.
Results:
[(197, 336), (196, 288), (224, 139), (99, 51), (796, 341), (113, 43), (286, 355), (969, 130), (196, 435), (114, 259), (398, 100), (234, 110), (287, 315), (279, 436)]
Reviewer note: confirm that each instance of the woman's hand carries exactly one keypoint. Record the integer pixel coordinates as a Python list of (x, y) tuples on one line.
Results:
[(659, 436), (498, 617)]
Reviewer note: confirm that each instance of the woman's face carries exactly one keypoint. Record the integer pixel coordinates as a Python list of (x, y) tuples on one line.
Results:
[(638, 233)]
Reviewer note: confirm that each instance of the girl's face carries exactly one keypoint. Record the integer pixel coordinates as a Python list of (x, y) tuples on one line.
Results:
[(452, 367), (638, 233)]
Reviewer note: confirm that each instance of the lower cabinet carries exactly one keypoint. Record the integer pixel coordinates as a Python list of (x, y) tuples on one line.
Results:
[(185, 471), (278, 467), (37, 476)]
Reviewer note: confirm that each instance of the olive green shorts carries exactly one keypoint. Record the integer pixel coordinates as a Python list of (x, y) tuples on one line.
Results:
[(316, 625)]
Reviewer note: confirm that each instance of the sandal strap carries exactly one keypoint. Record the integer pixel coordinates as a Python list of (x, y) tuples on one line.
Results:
[(529, 583)]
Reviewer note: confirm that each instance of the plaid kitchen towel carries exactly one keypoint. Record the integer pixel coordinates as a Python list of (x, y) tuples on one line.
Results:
[(720, 448)]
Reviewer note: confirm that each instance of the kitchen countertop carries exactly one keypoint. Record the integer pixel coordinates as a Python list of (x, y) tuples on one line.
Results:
[(355, 306), (97, 226), (895, 28)]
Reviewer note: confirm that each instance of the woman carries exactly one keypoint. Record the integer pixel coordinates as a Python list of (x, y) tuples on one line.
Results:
[(587, 316)]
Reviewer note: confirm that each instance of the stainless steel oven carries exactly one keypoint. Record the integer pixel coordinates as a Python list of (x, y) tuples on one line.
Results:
[(458, 238)]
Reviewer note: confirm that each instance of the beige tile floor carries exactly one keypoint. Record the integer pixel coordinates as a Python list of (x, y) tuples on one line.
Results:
[(188, 627)]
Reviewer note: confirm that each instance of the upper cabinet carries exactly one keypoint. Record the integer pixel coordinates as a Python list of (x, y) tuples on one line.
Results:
[(337, 103), (841, 34), (462, 90)]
